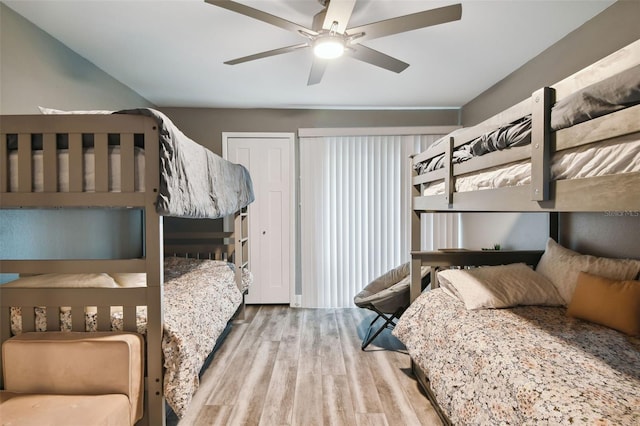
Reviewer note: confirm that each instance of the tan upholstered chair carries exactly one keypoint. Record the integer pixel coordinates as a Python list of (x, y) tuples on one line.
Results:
[(75, 378)]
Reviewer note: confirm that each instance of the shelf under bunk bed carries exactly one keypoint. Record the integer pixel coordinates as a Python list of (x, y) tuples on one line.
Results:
[(126, 161), (586, 166)]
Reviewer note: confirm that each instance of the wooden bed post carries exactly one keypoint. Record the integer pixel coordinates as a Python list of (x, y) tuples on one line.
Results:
[(240, 239), (5, 332), (449, 183), (154, 255), (554, 226), (5, 313), (541, 143), (414, 223)]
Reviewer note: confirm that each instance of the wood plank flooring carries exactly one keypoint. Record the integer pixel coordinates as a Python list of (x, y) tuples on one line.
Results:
[(285, 366)]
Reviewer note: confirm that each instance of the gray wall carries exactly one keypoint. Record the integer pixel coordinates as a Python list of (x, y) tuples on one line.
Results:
[(611, 234), (206, 125), (614, 28), (38, 70), (103, 234), (513, 231)]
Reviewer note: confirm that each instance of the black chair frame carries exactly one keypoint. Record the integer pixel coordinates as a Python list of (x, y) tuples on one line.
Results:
[(389, 323)]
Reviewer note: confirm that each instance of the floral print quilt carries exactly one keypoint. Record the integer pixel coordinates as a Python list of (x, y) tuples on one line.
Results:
[(522, 366)]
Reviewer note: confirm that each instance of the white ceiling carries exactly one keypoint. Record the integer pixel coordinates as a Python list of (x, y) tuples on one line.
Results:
[(172, 52)]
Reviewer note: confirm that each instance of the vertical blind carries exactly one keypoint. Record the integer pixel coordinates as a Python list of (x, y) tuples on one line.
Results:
[(354, 216)]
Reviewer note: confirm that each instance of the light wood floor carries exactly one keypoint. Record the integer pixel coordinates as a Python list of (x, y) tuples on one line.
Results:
[(285, 366)]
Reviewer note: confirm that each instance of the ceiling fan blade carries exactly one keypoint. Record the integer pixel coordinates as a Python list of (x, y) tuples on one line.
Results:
[(379, 59), (338, 11), (268, 53), (261, 16), (317, 71), (407, 23)]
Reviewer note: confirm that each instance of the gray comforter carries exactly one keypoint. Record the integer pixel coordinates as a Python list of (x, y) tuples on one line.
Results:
[(513, 134), (603, 97), (195, 182)]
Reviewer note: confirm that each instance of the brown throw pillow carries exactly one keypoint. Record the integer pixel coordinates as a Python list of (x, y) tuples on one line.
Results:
[(612, 303)]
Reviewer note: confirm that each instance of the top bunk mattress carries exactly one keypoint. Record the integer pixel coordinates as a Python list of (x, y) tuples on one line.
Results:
[(194, 181), (600, 159), (88, 169), (607, 96)]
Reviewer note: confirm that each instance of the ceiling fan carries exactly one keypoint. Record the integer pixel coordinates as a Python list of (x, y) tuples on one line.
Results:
[(330, 37)]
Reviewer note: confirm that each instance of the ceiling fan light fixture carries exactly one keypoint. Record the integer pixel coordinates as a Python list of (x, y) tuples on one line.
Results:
[(328, 47), (330, 33)]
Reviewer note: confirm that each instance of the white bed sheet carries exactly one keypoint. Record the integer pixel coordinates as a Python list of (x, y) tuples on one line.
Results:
[(604, 158), (88, 168)]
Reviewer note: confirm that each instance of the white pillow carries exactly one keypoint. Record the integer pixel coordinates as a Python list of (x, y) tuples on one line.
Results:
[(501, 286), (562, 266), (52, 111)]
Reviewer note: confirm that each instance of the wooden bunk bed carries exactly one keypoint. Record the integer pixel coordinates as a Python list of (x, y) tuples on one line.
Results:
[(541, 193), (118, 182), (440, 189)]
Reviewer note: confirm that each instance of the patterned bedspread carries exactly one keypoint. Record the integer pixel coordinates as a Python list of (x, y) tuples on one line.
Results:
[(200, 296), (526, 365)]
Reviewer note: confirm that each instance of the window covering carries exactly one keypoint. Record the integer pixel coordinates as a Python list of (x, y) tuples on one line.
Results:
[(354, 214)]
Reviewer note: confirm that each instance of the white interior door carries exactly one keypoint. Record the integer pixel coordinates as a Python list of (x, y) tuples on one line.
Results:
[(269, 159)]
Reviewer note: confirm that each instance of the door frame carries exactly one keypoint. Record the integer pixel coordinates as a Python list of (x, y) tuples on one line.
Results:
[(291, 137)]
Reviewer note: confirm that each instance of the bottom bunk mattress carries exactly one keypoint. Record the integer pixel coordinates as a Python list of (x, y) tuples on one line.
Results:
[(200, 297), (523, 365)]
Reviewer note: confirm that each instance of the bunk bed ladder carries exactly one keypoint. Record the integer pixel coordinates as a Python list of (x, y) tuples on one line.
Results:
[(241, 255)]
